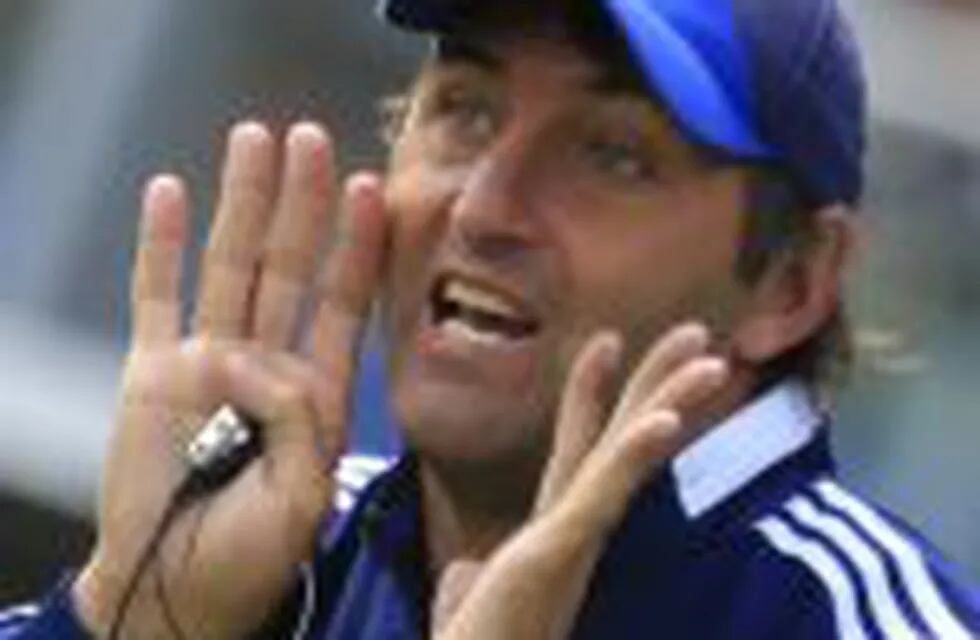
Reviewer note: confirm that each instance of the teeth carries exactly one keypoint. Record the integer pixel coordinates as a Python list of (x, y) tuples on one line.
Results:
[(463, 330), (466, 296)]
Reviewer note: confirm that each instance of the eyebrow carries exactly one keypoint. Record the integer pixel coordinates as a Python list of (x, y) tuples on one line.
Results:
[(450, 50), (615, 81), (610, 80)]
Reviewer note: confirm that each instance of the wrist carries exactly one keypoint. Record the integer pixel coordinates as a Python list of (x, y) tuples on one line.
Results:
[(553, 549), (97, 597), (574, 532), (90, 596), (54, 616)]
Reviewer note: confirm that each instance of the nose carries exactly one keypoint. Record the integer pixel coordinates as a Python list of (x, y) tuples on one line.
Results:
[(491, 214)]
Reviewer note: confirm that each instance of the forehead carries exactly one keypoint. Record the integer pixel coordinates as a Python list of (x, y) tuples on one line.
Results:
[(591, 51), (557, 81)]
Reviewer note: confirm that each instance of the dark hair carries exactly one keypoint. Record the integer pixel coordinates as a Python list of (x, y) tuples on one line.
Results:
[(779, 223)]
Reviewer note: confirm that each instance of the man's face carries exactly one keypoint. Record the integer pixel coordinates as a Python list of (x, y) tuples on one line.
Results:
[(533, 203)]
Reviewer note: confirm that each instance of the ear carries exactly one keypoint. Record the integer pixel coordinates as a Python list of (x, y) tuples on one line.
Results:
[(799, 291)]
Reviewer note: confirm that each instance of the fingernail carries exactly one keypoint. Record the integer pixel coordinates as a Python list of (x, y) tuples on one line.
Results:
[(362, 185), (249, 134), (718, 367), (307, 130), (612, 347), (308, 138), (162, 196), (670, 421), (163, 183), (698, 331)]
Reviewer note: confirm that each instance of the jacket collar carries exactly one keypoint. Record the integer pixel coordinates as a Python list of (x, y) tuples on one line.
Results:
[(771, 428)]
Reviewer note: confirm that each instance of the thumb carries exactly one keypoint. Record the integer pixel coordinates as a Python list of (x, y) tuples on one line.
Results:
[(455, 583)]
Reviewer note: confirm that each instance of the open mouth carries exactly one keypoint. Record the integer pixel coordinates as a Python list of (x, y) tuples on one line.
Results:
[(479, 313)]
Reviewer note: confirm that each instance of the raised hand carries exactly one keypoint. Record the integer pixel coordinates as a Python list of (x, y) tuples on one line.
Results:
[(229, 559), (533, 585)]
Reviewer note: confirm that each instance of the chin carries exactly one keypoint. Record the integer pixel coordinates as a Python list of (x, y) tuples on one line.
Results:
[(475, 429)]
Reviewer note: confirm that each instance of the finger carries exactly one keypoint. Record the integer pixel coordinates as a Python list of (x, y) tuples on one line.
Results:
[(297, 231), (630, 449), (580, 415), (155, 292), (688, 386), (330, 442), (455, 583), (349, 280), (678, 346), (247, 190), (195, 381), (284, 407), (600, 494)]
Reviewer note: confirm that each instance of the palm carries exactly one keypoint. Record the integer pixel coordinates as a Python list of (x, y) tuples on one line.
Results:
[(259, 269)]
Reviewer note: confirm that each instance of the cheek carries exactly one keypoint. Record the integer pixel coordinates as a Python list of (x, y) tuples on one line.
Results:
[(414, 196), (416, 229), (417, 194), (644, 268)]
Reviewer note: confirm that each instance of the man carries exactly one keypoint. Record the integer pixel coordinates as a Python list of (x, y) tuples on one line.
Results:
[(609, 248)]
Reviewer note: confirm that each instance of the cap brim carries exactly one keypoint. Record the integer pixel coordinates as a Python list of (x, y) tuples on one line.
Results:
[(687, 85), (429, 16), (676, 71)]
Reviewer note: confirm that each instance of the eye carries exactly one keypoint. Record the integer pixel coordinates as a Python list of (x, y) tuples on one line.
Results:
[(622, 160), (469, 113)]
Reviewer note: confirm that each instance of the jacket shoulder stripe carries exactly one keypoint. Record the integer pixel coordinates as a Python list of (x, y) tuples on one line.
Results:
[(912, 570), (353, 474), (366, 463), (826, 568), (360, 470), (871, 569), (18, 614)]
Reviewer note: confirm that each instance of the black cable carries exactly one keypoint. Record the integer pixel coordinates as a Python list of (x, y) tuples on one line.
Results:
[(185, 494), (226, 444), (168, 614)]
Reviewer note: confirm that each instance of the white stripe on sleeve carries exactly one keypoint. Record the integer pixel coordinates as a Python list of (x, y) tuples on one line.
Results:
[(884, 606), (912, 569), (371, 465), (19, 613), (358, 471), (353, 474), (820, 562)]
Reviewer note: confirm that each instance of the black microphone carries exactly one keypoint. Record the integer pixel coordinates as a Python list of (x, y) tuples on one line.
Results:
[(227, 443)]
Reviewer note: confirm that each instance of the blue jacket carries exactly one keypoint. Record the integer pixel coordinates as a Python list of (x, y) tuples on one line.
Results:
[(747, 534)]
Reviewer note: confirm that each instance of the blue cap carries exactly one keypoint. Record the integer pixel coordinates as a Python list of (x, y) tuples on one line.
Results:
[(778, 81)]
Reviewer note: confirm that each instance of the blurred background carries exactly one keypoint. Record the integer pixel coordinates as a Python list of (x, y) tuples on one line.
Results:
[(96, 95)]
